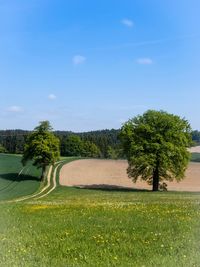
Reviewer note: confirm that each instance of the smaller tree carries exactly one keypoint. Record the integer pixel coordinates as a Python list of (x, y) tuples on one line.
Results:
[(41, 146), (112, 153), (90, 150), (72, 145)]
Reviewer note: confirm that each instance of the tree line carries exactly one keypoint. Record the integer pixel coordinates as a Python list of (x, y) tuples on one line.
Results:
[(102, 143)]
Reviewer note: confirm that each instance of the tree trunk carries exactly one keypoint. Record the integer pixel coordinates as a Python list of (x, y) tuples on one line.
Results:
[(43, 173), (156, 178)]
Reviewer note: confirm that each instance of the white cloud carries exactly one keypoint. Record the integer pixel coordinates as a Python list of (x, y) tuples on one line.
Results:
[(78, 59), (15, 109), (127, 22), (51, 96), (145, 61)]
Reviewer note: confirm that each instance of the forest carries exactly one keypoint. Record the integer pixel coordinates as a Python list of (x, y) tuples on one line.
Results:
[(101, 143)]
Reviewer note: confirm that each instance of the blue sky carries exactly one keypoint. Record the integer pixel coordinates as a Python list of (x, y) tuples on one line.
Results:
[(86, 65)]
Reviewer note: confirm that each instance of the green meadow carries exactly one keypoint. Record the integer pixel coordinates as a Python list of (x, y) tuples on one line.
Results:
[(16, 181), (82, 227)]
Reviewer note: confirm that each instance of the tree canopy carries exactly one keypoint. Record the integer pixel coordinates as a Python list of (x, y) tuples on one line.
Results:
[(73, 145), (41, 146), (13, 140), (155, 145)]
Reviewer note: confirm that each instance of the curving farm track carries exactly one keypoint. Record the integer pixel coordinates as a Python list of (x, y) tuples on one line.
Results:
[(48, 188)]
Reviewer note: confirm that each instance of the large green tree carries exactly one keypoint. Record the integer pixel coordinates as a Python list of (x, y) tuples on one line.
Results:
[(155, 145), (41, 146)]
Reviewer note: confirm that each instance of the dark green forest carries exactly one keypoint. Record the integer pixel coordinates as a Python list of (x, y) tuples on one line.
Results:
[(89, 144), (196, 137), (102, 143)]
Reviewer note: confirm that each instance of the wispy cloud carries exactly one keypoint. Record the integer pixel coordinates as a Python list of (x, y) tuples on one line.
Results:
[(144, 61), (127, 22), (15, 109), (51, 96), (78, 59)]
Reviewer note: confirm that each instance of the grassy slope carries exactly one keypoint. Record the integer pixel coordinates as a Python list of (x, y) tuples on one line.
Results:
[(13, 185), (74, 227)]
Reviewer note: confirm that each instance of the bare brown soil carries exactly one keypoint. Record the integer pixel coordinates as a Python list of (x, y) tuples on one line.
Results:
[(94, 173), (195, 149)]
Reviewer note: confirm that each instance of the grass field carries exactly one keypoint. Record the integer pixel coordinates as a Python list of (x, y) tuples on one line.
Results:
[(82, 227), (74, 227), (16, 181)]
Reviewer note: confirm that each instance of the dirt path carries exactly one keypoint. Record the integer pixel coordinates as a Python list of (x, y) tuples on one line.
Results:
[(53, 182), (51, 185), (40, 192), (96, 173)]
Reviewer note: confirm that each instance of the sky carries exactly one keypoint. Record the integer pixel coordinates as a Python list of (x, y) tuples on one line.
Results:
[(87, 65)]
